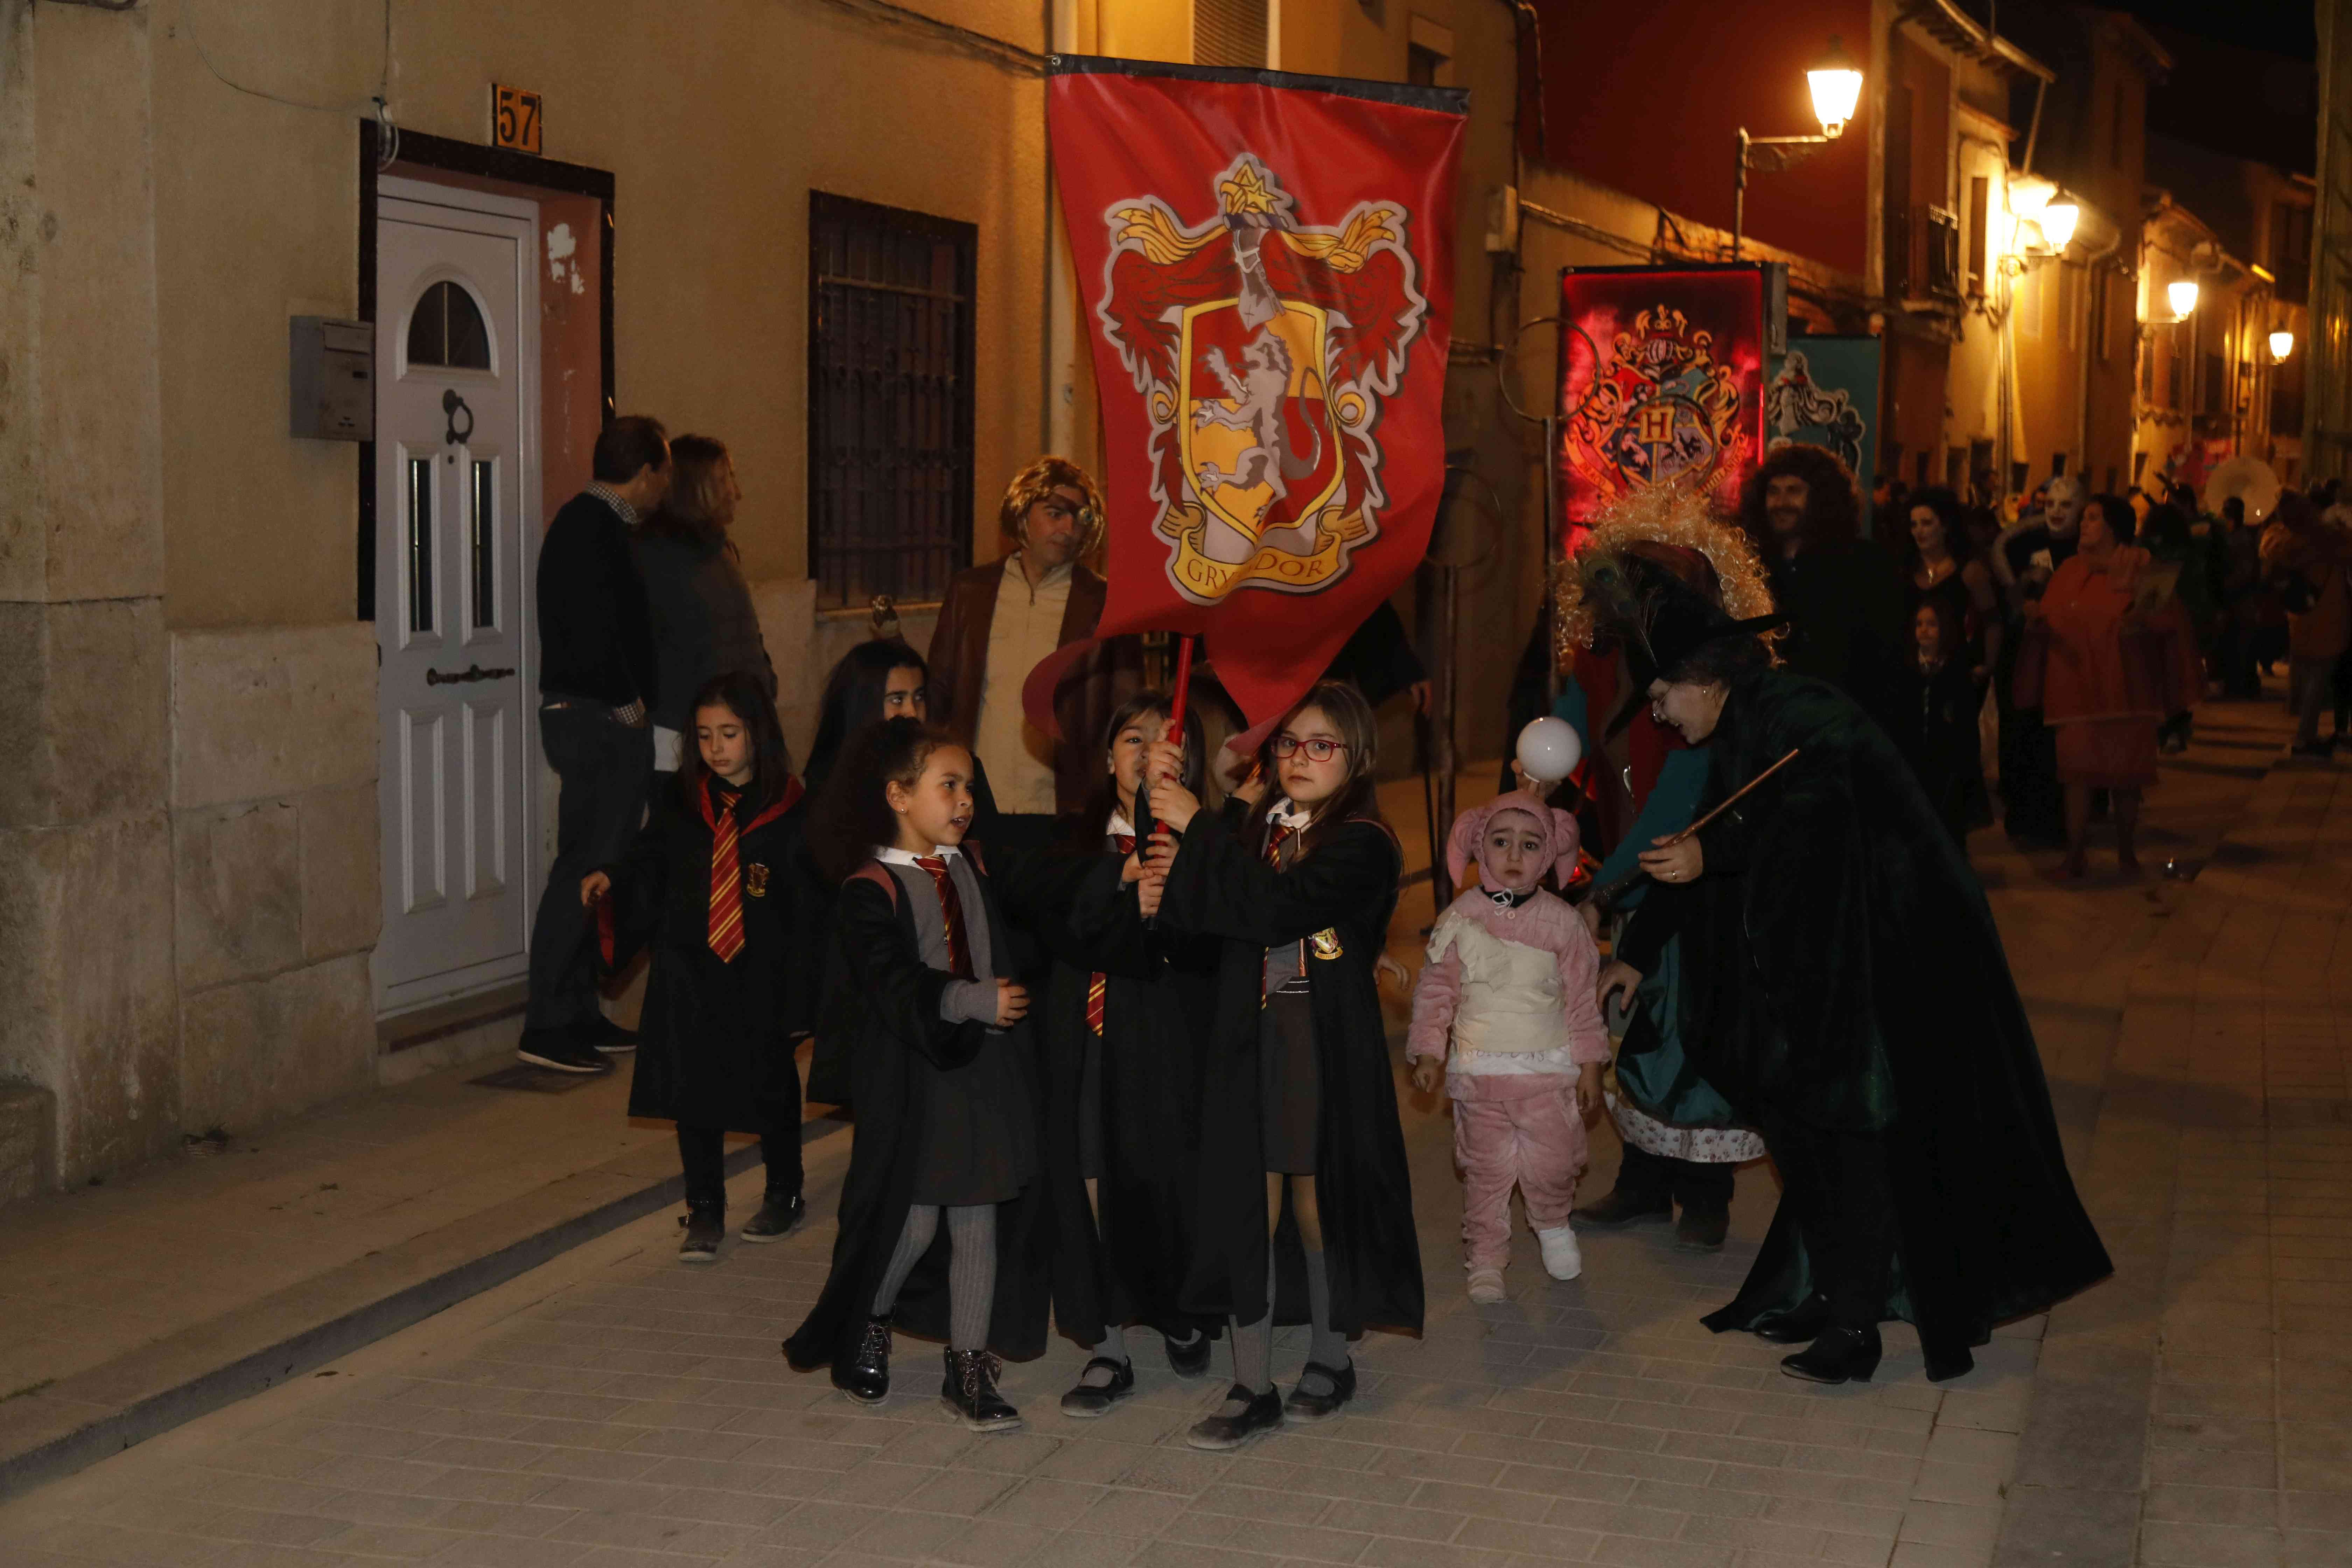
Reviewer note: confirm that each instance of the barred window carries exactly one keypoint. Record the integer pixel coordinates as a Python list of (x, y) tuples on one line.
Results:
[(1230, 33), (889, 402)]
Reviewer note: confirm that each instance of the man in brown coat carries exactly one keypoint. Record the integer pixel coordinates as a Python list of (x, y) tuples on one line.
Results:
[(1001, 619)]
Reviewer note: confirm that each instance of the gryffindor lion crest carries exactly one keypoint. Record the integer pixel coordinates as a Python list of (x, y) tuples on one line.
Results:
[(1262, 347)]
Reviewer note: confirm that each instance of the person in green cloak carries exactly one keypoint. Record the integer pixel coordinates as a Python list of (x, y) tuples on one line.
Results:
[(1843, 987)]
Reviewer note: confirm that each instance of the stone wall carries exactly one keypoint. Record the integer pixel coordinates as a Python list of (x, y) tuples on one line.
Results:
[(273, 868)]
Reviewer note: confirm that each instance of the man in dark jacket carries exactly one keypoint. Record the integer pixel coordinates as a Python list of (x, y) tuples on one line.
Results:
[(596, 675), (1842, 593)]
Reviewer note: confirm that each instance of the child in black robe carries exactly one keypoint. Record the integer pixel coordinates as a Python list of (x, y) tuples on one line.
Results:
[(1126, 1008), (942, 1176), (1306, 1205), (1937, 727), (707, 882)]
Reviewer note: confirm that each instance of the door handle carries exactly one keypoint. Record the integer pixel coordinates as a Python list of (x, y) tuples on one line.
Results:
[(472, 672)]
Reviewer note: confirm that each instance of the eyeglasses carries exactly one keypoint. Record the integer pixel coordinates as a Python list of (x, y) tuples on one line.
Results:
[(1317, 750)]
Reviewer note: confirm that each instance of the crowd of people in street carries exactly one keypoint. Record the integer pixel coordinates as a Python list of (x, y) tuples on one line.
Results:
[(1105, 1006)]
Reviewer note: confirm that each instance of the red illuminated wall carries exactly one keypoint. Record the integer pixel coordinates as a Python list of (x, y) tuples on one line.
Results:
[(1648, 96)]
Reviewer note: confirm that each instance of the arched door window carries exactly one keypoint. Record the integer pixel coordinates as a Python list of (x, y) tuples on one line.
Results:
[(446, 330)]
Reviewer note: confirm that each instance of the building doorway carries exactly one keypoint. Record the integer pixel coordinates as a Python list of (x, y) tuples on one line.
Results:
[(458, 504)]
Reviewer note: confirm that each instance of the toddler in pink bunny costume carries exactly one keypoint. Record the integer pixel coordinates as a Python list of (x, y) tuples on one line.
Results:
[(1510, 980)]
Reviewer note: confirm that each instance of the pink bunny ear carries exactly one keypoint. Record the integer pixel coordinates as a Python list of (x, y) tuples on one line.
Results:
[(1565, 838), (1462, 844)]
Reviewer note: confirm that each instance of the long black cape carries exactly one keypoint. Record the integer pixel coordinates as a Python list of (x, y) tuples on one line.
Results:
[(715, 1038), (882, 1009), (1841, 969), (1347, 884), (1159, 1001)]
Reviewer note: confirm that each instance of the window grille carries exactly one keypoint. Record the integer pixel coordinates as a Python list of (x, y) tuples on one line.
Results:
[(889, 401)]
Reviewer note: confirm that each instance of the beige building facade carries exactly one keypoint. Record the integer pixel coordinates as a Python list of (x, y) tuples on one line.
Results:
[(197, 842)]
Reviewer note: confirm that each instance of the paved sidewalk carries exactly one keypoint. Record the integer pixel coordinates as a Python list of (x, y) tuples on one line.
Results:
[(613, 1407)]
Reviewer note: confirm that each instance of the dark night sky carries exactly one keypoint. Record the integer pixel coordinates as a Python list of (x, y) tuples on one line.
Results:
[(2275, 27)]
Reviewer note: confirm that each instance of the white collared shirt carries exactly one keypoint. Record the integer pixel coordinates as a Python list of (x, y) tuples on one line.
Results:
[(1025, 630), (893, 856), (1119, 826)]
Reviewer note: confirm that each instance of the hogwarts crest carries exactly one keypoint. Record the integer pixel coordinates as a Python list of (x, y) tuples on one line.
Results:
[(1661, 409), (1263, 346)]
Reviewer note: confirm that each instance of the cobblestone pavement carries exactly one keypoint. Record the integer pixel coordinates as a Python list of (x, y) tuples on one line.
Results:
[(617, 1408)]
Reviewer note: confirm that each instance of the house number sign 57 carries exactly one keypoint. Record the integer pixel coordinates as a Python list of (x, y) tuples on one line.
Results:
[(514, 117)]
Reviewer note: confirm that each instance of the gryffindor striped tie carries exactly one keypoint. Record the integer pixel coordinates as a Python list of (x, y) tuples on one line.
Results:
[(1097, 987), (726, 882)]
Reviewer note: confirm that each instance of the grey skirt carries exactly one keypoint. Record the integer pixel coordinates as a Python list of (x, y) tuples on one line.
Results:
[(1289, 1089)]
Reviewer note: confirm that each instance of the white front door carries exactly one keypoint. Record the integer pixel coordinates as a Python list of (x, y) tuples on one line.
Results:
[(456, 491)]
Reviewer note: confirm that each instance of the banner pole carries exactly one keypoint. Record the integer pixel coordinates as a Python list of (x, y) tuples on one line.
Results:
[(1183, 687)]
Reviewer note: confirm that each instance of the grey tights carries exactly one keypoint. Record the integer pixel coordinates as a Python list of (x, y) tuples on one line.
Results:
[(971, 1268), (1254, 1343)]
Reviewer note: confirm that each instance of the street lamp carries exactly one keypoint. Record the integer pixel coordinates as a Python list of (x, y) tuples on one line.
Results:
[(2182, 293), (1836, 89), (2282, 345), (2058, 221)]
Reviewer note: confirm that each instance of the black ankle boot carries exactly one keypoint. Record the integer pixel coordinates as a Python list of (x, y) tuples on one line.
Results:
[(706, 1227), (780, 1214), (971, 1392), (866, 1376), (1800, 1324), (1840, 1355)]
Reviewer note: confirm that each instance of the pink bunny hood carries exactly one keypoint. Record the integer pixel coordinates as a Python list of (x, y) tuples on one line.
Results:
[(1462, 844)]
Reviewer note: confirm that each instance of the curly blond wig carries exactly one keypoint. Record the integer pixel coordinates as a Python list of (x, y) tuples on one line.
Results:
[(1039, 479), (1661, 523)]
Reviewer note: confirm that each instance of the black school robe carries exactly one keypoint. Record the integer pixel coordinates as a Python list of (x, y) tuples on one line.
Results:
[(1159, 1001), (1842, 970), (882, 1010), (716, 1038), (1347, 884)]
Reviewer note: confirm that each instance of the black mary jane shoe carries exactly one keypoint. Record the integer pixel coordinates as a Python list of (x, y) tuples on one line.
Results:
[(1303, 1406), (866, 1376), (1188, 1360), (1260, 1413), (1088, 1400), (969, 1390), (1840, 1355), (779, 1216), (1800, 1324)]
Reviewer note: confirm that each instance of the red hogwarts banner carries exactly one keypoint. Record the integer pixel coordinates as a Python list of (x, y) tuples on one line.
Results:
[(1265, 265)]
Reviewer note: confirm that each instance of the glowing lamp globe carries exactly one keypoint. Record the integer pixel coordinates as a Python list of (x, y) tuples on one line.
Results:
[(2182, 293), (1550, 750), (2058, 221), (2282, 345), (1836, 88)]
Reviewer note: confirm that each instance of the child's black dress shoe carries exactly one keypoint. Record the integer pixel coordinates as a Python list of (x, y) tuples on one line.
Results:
[(1259, 1412), (866, 1376), (1189, 1360), (1310, 1405), (1091, 1399), (1840, 1355)]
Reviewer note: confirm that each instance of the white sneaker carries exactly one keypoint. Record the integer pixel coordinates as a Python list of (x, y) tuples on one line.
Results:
[(1486, 1286), (1561, 1259)]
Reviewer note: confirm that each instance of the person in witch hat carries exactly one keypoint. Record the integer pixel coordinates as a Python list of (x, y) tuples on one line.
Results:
[(1844, 987)]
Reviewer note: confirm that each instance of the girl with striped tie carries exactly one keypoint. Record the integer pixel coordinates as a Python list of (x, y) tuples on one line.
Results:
[(1120, 1023), (942, 1208), (705, 883)]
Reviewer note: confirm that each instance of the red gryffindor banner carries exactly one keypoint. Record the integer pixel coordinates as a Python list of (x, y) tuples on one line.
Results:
[(1265, 264)]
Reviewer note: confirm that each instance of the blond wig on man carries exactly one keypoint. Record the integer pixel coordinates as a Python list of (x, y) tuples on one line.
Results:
[(1041, 479)]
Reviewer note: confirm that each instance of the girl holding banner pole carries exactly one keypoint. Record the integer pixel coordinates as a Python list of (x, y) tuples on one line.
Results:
[(1306, 1204)]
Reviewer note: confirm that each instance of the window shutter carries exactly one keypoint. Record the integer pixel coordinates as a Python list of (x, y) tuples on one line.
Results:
[(1229, 33)]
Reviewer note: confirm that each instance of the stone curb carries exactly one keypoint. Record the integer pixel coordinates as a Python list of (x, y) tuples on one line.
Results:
[(120, 1417)]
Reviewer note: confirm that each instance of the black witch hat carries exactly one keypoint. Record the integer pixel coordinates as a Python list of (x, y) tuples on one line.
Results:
[(1657, 617)]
